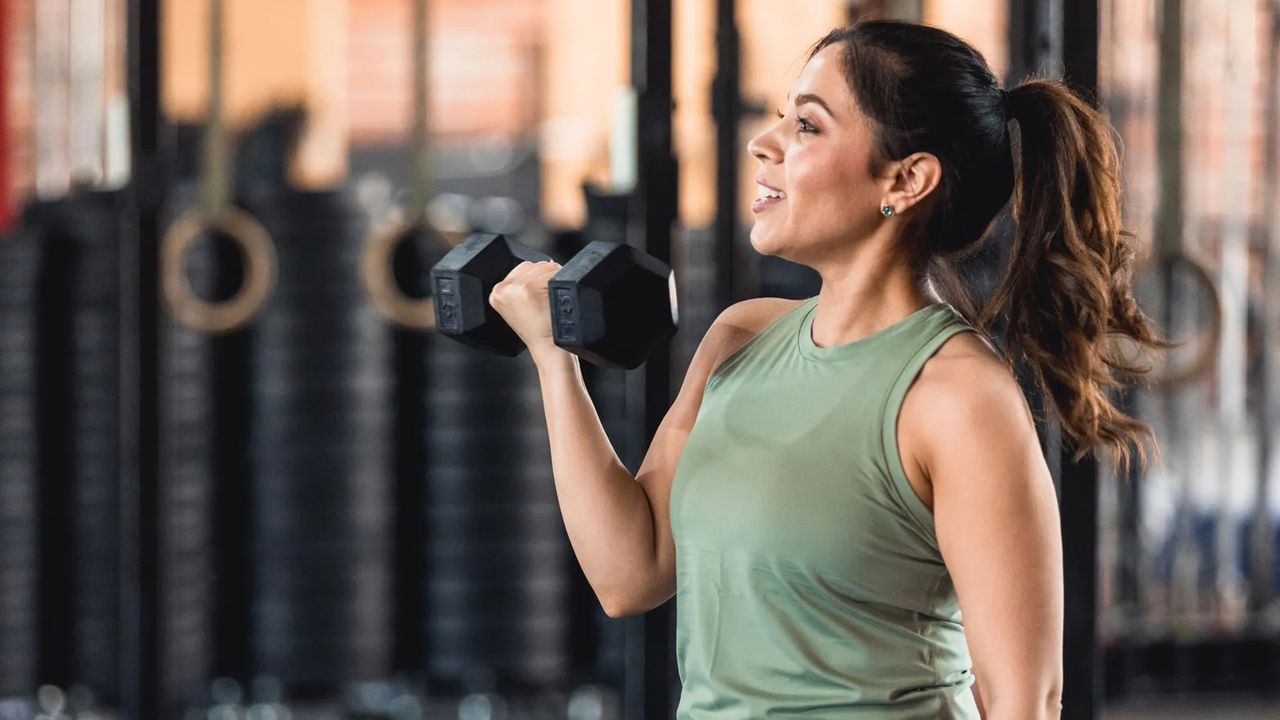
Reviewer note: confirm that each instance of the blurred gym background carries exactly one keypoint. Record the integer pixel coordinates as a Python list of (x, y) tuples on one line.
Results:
[(240, 477)]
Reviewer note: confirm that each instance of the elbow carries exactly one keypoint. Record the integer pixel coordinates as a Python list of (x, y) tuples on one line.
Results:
[(636, 602), (642, 593), (617, 611), (1046, 706), (620, 607)]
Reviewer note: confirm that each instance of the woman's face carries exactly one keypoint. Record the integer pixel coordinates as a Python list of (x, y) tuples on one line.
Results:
[(818, 156)]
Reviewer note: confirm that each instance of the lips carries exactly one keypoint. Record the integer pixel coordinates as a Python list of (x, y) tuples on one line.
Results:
[(765, 200), (764, 203)]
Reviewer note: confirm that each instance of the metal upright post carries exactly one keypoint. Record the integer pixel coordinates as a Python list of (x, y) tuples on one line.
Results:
[(1078, 483), (140, 666), (726, 109), (1056, 38), (648, 683), (1035, 37)]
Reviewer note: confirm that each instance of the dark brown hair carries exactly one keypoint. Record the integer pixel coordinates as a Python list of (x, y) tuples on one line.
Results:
[(1066, 296)]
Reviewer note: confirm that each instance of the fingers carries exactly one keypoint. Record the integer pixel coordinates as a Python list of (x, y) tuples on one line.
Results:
[(534, 269), (527, 272), (526, 276)]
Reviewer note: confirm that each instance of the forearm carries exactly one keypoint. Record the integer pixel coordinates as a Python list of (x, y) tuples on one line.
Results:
[(606, 512)]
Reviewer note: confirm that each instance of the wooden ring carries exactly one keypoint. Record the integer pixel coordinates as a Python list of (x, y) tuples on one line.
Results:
[(380, 285), (250, 236), (1208, 357)]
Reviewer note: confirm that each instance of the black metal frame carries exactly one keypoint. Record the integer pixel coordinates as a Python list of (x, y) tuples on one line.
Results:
[(141, 671), (726, 110), (649, 682), (1058, 38)]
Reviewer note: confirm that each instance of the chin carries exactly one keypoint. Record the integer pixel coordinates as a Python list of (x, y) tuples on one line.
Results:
[(767, 243), (760, 240)]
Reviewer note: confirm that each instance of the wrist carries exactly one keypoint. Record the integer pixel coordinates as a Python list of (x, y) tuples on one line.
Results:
[(553, 360)]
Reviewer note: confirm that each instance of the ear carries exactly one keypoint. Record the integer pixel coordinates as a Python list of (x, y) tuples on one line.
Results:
[(914, 178)]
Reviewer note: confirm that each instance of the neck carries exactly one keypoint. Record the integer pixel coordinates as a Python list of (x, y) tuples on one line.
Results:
[(863, 295)]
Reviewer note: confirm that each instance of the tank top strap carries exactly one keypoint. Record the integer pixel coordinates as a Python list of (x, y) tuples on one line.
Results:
[(946, 324)]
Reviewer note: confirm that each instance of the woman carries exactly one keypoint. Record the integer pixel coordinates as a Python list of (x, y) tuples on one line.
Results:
[(842, 479)]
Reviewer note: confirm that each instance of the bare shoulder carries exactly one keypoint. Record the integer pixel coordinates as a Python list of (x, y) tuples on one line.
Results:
[(744, 320), (736, 325), (757, 313), (966, 376), (965, 397)]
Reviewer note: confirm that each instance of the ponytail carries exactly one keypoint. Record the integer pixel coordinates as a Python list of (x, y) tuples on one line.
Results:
[(1067, 294)]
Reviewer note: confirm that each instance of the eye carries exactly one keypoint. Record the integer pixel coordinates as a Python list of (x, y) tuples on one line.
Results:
[(805, 125)]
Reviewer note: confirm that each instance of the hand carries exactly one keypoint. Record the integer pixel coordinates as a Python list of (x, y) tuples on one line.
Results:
[(524, 302)]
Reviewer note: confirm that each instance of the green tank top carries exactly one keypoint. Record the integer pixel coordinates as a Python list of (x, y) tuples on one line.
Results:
[(809, 582)]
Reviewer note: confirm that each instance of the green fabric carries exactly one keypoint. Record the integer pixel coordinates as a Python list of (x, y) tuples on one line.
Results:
[(808, 577)]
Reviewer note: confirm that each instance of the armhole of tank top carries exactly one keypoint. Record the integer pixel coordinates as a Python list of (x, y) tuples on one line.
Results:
[(734, 357), (898, 481)]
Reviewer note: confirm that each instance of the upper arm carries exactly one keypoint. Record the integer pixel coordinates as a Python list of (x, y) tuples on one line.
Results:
[(730, 331), (996, 515)]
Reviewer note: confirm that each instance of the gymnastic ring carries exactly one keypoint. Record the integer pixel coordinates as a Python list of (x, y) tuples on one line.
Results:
[(1208, 357), (187, 308), (384, 292)]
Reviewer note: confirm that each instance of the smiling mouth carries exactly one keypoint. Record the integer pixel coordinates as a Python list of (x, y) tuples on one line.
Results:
[(764, 203)]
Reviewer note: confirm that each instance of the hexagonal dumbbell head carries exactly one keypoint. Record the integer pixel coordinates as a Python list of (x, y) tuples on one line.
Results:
[(613, 305), (461, 283)]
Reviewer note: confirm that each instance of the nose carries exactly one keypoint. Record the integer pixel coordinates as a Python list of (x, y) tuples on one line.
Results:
[(763, 147)]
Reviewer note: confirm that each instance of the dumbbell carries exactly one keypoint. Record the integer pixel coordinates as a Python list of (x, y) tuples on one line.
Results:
[(611, 304)]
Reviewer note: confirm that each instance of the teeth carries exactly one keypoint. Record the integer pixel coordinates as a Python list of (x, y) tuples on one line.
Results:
[(766, 192)]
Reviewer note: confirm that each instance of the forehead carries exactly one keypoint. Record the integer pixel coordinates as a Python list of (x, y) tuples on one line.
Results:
[(823, 76)]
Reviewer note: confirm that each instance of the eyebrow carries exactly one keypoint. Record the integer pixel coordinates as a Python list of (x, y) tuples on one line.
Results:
[(803, 98)]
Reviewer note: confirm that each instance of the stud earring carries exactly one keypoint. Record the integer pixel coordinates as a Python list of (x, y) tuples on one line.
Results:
[(886, 210)]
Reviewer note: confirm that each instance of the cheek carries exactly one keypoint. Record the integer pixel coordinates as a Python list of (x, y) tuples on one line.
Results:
[(826, 179), (830, 195), (830, 199)]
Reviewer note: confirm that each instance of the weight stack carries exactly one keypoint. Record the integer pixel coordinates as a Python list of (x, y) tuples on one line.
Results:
[(230, 404), (321, 455), (78, 352), (411, 263), (19, 599), (187, 489), (497, 585), (95, 352)]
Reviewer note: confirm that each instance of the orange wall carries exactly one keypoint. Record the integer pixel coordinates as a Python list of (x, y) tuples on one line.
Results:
[(482, 67), (983, 24), (586, 62), (550, 69)]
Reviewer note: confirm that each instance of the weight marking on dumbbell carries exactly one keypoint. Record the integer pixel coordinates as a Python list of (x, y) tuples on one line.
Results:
[(566, 327)]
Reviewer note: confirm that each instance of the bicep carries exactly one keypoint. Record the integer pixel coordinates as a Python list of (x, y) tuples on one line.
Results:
[(996, 516), (659, 467)]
